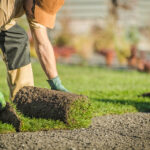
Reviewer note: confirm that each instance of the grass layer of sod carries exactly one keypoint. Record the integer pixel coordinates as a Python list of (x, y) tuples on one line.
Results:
[(109, 91)]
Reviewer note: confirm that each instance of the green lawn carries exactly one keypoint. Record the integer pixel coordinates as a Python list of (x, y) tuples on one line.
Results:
[(110, 92)]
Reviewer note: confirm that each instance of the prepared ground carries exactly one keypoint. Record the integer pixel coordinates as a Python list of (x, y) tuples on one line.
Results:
[(117, 132)]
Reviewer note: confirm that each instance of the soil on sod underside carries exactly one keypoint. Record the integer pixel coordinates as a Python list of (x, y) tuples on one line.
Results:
[(8, 115), (45, 103)]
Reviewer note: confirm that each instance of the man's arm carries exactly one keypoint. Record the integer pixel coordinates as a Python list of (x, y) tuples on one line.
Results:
[(44, 51), (43, 46), (46, 56)]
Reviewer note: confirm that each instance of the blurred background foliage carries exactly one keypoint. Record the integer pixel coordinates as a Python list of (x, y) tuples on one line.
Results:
[(109, 37)]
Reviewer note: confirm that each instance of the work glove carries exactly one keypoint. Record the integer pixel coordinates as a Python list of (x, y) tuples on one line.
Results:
[(56, 84), (2, 102)]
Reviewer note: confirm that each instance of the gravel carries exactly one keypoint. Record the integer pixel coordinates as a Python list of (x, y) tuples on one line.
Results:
[(111, 132)]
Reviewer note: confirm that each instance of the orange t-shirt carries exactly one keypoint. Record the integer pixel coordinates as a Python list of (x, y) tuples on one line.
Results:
[(39, 12), (43, 11)]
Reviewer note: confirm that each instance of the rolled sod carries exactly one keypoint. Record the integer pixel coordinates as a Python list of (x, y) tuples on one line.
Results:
[(9, 115), (74, 110)]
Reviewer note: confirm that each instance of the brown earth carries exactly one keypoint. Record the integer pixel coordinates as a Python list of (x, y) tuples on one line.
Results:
[(111, 132), (45, 103), (8, 115)]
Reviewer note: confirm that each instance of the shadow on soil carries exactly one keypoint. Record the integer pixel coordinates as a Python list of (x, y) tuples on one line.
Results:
[(140, 106)]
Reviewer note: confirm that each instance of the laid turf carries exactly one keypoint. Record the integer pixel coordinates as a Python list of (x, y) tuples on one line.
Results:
[(110, 92)]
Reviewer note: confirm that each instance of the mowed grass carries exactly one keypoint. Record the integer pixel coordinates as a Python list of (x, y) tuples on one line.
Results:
[(110, 92)]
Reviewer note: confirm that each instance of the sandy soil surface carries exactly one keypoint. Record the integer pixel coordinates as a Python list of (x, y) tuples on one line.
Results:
[(112, 132)]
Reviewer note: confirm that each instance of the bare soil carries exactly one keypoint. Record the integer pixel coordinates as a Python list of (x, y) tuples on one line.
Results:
[(112, 132)]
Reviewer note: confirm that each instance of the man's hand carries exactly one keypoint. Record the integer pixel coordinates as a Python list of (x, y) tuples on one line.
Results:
[(55, 84)]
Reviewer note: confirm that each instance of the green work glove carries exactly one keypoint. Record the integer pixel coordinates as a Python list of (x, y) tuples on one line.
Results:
[(55, 84), (2, 101)]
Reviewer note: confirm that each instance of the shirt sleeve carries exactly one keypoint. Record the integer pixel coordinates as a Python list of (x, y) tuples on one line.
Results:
[(29, 7), (34, 24), (42, 12)]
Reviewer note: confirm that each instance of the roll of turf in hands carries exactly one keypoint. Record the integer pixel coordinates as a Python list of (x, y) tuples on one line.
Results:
[(2, 102)]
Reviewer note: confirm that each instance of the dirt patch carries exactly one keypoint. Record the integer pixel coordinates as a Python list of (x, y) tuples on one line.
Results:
[(8, 115), (111, 132), (48, 104)]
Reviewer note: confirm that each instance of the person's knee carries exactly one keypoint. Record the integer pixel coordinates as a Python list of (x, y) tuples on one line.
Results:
[(19, 78)]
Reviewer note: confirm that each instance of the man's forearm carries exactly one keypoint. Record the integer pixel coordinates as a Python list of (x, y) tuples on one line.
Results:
[(47, 59), (45, 52)]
